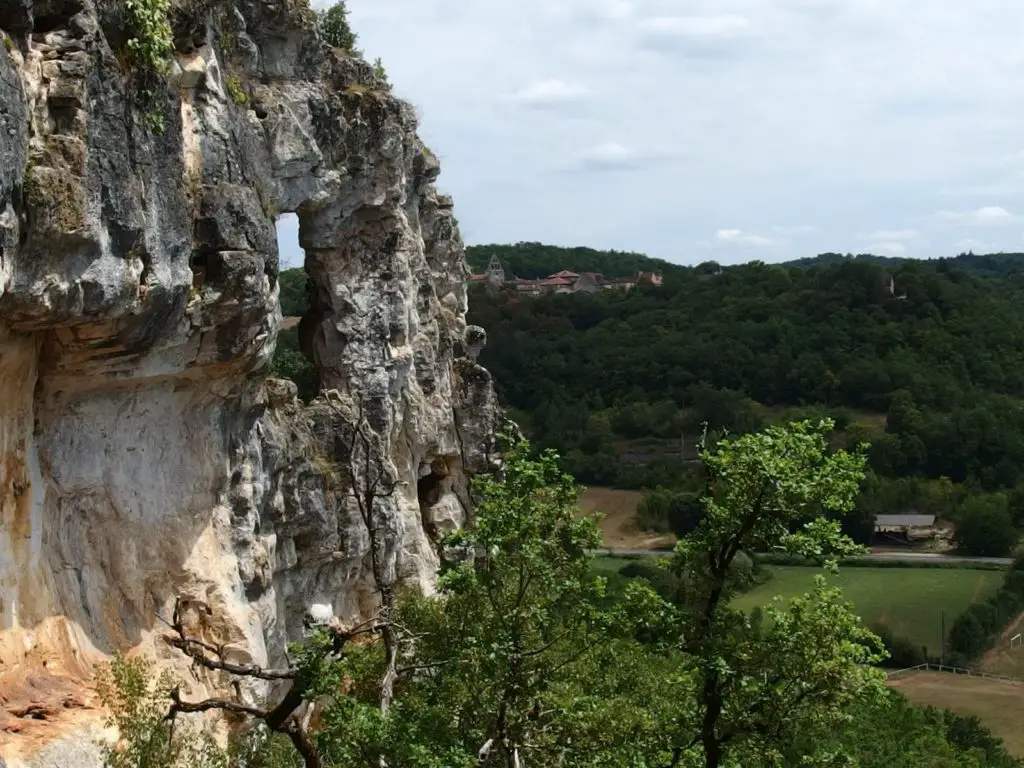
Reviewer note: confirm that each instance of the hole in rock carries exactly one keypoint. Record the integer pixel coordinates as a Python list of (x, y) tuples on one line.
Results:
[(293, 356)]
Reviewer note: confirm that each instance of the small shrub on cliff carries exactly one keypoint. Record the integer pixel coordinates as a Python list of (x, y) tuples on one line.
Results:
[(335, 28), (152, 40), (138, 700), (379, 71), (149, 51), (236, 91)]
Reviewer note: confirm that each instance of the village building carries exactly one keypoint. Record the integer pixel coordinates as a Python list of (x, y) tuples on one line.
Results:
[(906, 527), (564, 281)]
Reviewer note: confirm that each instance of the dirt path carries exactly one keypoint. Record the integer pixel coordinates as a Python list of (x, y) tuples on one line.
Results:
[(1000, 706), (1001, 659), (618, 528)]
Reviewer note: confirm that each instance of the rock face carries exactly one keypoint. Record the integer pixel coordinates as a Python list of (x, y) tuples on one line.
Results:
[(143, 456)]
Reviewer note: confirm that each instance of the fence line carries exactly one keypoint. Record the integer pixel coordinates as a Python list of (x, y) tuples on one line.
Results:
[(954, 671)]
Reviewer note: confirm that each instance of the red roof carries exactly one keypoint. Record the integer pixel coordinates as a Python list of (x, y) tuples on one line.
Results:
[(564, 273)]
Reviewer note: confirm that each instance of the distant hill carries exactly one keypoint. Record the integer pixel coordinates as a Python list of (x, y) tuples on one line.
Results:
[(923, 359), (534, 260), (826, 259), (988, 265)]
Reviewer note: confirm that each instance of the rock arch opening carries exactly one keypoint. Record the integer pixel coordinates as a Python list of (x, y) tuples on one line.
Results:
[(293, 357)]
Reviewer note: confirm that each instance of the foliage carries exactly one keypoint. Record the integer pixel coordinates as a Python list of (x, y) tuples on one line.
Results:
[(613, 380), (335, 28), (233, 85), (534, 260), (902, 652), (667, 584), (294, 292), (152, 39), (984, 527), (522, 659), (666, 511), (770, 490), (378, 70), (8, 42), (911, 601), (889, 732), (512, 630), (973, 630), (290, 363), (150, 45), (137, 702)]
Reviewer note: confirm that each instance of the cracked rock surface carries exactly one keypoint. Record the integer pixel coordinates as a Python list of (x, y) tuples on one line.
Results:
[(143, 454)]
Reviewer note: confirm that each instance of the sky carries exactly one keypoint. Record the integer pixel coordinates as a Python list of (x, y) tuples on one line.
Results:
[(729, 130)]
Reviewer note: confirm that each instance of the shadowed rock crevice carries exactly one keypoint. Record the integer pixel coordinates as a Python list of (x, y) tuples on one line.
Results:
[(143, 456)]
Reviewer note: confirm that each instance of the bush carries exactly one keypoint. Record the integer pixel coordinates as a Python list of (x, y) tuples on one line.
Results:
[(335, 29), (295, 288), (971, 632), (985, 527), (666, 511), (662, 580), (138, 700), (902, 652), (290, 363)]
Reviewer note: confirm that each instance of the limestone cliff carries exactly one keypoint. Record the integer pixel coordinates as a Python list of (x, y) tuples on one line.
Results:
[(142, 454)]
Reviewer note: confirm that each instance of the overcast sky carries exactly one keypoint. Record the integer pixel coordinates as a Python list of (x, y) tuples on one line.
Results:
[(718, 129)]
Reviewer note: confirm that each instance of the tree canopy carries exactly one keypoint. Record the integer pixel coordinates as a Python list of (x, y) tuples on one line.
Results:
[(921, 359), (524, 657)]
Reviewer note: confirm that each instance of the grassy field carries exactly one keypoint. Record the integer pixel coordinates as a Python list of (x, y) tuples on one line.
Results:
[(907, 600), (1000, 706)]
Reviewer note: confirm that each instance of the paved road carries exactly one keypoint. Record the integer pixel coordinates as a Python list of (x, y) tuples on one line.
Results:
[(880, 556)]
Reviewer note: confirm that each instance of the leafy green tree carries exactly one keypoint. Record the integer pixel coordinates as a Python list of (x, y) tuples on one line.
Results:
[(335, 28), (514, 631), (757, 684), (889, 732), (523, 658), (289, 363), (294, 292), (985, 528), (137, 700)]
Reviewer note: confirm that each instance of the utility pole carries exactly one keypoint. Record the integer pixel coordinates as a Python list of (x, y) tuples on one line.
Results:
[(942, 654)]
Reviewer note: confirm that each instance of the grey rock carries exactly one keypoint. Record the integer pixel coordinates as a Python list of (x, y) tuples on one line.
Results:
[(143, 454)]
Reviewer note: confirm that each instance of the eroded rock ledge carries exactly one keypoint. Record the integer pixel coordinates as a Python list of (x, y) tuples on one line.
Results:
[(142, 454)]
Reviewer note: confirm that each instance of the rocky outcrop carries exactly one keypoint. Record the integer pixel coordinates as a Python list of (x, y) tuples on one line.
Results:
[(143, 456)]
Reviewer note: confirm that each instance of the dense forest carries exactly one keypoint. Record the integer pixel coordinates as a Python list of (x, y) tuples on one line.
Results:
[(534, 260), (923, 360)]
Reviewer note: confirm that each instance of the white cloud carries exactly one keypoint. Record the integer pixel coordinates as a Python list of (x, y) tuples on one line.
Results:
[(739, 237), (554, 92), (990, 215), (884, 127)]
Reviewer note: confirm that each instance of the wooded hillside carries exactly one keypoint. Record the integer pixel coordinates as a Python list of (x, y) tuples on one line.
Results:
[(923, 359)]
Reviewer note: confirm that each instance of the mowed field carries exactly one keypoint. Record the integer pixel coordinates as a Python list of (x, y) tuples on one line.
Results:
[(1000, 706), (618, 526), (909, 601)]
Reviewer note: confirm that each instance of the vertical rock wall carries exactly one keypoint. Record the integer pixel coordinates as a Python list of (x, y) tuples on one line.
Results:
[(142, 455)]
